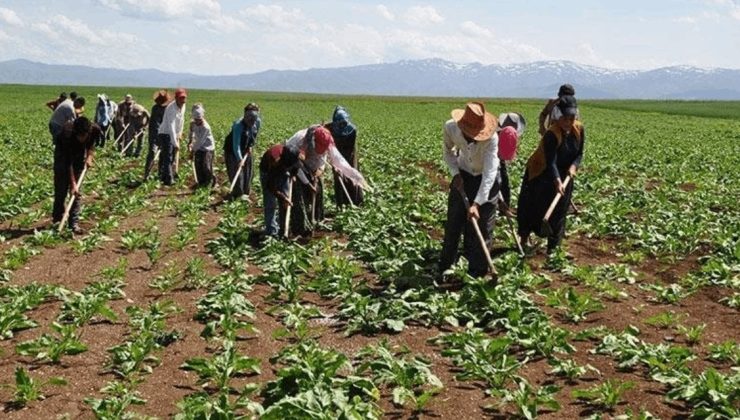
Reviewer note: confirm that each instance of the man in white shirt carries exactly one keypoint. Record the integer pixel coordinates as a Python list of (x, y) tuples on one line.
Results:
[(471, 152), (170, 134)]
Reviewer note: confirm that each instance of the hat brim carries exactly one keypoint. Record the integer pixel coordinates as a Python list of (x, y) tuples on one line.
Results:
[(476, 133)]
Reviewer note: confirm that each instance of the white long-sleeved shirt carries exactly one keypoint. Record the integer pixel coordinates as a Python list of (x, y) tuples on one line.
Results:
[(173, 121), (202, 137), (314, 161), (476, 158)]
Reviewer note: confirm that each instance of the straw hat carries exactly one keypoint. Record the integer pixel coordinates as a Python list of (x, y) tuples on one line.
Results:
[(474, 121)]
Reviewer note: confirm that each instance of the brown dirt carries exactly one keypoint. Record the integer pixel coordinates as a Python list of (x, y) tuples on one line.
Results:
[(464, 400)]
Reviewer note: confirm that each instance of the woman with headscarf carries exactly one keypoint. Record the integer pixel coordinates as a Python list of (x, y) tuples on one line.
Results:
[(558, 156), (317, 145), (345, 139), (238, 149)]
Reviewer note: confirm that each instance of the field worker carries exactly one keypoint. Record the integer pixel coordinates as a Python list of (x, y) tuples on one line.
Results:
[(161, 99), (123, 117), (317, 145), (471, 152), (170, 134), (75, 149), (550, 113), (201, 146), (54, 103), (65, 113), (104, 111), (558, 155), (277, 165), (139, 119), (238, 148), (345, 138), (511, 128)]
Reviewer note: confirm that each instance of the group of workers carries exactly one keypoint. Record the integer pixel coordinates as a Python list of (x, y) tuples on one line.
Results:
[(477, 146)]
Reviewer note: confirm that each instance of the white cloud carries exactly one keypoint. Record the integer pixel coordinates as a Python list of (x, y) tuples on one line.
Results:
[(10, 17), (423, 16), (164, 9), (685, 19), (473, 29), (384, 12), (274, 16)]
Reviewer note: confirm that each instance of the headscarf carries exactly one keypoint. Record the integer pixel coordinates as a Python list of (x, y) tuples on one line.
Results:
[(341, 125)]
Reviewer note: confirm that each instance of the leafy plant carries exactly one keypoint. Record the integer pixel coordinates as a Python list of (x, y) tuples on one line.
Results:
[(527, 400), (693, 334), (606, 395), (727, 351), (27, 389), (65, 341), (664, 320), (711, 394), (411, 378), (219, 370), (576, 305), (120, 396), (569, 369)]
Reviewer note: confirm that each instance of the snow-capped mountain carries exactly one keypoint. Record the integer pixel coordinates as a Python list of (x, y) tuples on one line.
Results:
[(429, 77)]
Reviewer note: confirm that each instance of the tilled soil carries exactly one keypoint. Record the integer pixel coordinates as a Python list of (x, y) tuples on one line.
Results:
[(168, 384)]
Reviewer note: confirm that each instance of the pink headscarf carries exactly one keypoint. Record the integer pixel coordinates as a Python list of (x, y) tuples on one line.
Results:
[(507, 143)]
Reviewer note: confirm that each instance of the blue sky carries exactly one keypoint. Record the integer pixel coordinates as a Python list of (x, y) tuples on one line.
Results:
[(231, 37)]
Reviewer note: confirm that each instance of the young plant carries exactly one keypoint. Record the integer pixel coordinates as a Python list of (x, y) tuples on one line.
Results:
[(693, 334), (27, 389), (576, 305), (569, 369), (115, 405), (729, 351), (220, 369), (410, 378), (664, 320), (604, 396), (528, 401), (51, 347)]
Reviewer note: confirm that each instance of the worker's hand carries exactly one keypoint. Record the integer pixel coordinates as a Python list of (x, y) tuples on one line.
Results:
[(284, 199), (313, 188), (572, 171), (559, 188), (473, 212), (504, 209), (76, 191), (89, 161), (318, 173), (457, 182)]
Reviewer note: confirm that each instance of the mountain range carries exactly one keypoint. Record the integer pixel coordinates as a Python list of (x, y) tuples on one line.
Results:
[(428, 77)]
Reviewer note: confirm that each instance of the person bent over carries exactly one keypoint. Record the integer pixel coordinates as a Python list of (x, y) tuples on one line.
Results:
[(74, 150), (277, 165)]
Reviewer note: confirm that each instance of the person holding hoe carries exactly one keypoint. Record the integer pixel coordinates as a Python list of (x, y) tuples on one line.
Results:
[(73, 152), (345, 138), (170, 134), (550, 112), (278, 164), (547, 185), (238, 148), (201, 146), (471, 152), (161, 99)]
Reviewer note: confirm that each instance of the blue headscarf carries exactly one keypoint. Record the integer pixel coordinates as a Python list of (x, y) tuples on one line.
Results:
[(341, 126)]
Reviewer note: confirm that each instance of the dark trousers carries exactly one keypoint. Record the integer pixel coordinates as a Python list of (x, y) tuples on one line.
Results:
[(244, 182), (62, 186), (535, 196), (458, 224), (355, 192), (166, 159), (204, 167), (303, 207), (153, 147)]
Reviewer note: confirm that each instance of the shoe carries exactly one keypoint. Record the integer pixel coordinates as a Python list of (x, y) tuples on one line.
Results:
[(76, 230)]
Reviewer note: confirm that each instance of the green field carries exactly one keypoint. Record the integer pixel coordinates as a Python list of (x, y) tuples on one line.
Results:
[(167, 308)]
